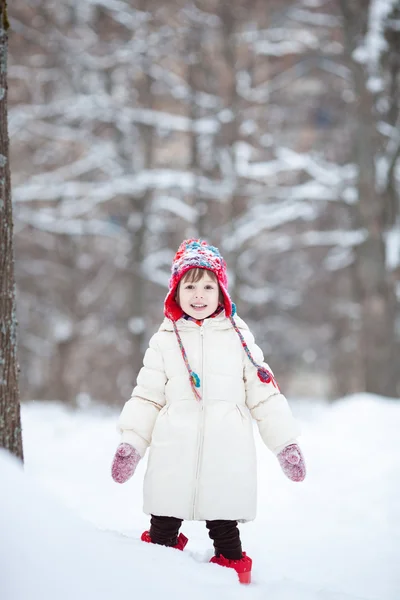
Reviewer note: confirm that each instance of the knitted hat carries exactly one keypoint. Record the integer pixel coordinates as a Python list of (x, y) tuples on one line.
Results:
[(193, 254), (199, 254)]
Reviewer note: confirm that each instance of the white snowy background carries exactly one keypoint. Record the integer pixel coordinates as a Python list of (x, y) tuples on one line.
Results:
[(69, 532)]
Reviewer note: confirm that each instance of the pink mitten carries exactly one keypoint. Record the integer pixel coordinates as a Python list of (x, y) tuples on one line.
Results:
[(125, 462), (292, 462)]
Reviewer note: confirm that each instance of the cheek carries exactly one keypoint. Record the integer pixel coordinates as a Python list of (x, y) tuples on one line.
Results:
[(182, 297)]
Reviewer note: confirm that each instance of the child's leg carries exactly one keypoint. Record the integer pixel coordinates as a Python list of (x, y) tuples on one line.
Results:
[(164, 530), (226, 537)]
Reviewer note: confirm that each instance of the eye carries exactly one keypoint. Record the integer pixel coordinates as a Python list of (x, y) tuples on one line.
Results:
[(189, 286), (209, 287)]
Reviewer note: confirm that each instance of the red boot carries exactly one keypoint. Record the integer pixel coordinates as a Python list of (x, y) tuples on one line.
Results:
[(241, 566), (182, 540)]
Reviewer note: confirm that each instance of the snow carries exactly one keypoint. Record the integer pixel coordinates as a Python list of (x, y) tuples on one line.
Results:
[(74, 227), (62, 328), (91, 194), (69, 532), (325, 174), (388, 158), (101, 106), (267, 217), (314, 18), (270, 216), (136, 325), (175, 206), (392, 243), (157, 266), (374, 43)]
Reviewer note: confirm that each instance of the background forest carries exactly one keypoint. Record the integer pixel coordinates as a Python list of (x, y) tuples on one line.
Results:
[(272, 129)]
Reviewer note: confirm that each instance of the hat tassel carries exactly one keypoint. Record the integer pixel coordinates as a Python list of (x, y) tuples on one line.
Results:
[(195, 383), (193, 377), (264, 375)]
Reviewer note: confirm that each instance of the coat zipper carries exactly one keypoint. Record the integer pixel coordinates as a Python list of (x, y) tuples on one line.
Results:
[(200, 436)]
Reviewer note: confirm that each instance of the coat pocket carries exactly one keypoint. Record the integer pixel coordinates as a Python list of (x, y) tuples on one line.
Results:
[(243, 412), (164, 410)]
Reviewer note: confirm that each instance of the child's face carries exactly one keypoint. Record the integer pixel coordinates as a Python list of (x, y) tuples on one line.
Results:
[(199, 299)]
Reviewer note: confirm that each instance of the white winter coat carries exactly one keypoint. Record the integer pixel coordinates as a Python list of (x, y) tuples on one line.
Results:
[(202, 460)]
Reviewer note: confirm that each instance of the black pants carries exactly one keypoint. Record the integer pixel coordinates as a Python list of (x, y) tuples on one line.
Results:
[(225, 535)]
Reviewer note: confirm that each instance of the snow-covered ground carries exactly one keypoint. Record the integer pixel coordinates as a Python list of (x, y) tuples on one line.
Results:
[(68, 532)]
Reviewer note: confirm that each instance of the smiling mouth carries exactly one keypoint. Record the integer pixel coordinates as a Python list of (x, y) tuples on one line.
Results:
[(198, 305)]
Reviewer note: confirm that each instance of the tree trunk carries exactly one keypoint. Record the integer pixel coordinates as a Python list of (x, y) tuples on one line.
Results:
[(138, 320), (10, 419), (139, 230), (199, 228), (230, 132), (374, 289)]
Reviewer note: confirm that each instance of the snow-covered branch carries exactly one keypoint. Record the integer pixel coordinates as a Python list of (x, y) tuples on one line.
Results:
[(134, 185)]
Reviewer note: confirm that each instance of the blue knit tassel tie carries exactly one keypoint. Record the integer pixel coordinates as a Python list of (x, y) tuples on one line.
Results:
[(195, 379)]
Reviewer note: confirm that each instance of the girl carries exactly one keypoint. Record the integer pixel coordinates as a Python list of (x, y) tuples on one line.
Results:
[(202, 382)]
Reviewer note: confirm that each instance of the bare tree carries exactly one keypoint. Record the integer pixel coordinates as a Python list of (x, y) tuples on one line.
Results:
[(373, 283), (10, 420), (141, 204), (229, 120)]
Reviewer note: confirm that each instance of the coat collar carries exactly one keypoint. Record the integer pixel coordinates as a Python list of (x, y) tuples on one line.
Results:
[(218, 322)]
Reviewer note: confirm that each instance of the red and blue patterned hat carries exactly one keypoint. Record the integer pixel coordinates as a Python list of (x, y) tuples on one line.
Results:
[(194, 254)]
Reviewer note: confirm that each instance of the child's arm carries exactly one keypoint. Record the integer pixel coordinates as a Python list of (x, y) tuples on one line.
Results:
[(269, 407), (139, 414)]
